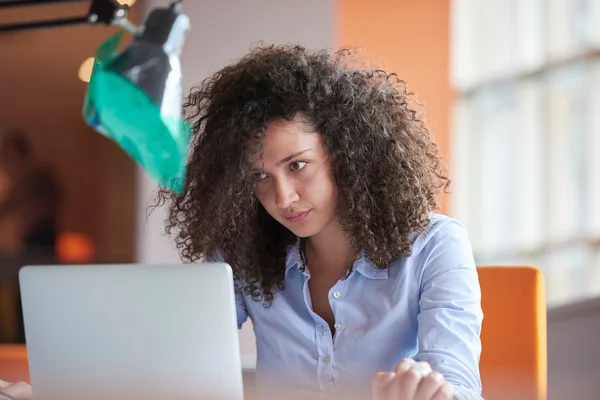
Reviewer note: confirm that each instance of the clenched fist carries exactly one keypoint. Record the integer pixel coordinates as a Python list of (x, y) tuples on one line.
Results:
[(15, 391), (411, 380)]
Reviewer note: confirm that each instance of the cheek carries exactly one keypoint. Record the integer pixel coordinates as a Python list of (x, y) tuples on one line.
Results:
[(332, 194), (323, 190), (260, 192), (264, 195)]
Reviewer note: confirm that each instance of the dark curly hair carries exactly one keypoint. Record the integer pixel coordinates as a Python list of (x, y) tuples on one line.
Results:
[(385, 163)]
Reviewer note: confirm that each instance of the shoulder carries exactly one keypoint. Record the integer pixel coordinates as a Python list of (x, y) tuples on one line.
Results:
[(443, 246), (441, 228)]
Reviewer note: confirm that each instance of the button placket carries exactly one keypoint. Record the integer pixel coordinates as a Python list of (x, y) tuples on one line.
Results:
[(334, 302)]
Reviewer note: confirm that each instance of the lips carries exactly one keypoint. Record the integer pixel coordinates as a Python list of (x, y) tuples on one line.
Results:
[(297, 216)]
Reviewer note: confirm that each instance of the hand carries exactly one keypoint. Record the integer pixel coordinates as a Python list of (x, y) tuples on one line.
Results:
[(15, 391), (411, 380)]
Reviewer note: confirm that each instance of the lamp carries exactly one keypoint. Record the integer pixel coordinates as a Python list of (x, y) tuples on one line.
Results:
[(134, 96)]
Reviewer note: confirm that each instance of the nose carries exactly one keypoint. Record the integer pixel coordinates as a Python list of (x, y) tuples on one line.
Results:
[(285, 193)]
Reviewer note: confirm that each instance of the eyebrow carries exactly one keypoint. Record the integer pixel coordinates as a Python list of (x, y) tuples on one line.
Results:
[(290, 158)]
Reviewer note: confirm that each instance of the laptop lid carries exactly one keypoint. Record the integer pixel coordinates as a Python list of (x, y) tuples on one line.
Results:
[(131, 332)]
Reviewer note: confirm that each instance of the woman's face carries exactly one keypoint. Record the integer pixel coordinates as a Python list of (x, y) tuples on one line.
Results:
[(294, 181)]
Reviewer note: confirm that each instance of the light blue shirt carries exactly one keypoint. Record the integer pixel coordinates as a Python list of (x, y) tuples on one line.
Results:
[(426, 306)]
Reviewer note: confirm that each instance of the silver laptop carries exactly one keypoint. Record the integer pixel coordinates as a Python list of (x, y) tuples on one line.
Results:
[(103, 332)]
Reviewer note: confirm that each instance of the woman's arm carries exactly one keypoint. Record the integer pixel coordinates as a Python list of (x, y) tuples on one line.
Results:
[(450, 315)]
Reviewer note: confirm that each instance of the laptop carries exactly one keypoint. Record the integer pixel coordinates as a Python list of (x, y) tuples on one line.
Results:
[(103, 332)]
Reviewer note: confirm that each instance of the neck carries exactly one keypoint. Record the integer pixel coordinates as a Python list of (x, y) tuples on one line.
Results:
[(330, 251)]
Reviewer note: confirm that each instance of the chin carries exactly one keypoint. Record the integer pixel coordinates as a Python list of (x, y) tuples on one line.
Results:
[(303, 232)]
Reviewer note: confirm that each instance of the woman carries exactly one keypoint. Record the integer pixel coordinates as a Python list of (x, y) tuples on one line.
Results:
[(316, 181)]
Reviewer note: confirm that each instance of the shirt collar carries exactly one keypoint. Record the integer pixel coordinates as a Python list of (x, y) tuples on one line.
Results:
[(293, 258), (362, 264), (368, 270)]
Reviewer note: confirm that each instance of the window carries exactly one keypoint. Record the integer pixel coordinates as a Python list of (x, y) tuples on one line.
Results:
[(526, 137)]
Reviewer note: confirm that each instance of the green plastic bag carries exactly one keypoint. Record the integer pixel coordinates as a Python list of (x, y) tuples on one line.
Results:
[(120, 110)]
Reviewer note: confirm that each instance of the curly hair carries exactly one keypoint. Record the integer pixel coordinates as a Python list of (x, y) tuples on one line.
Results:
[(385, 163)]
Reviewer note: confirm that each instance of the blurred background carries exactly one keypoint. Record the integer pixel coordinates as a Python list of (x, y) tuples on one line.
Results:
[(525, 137), (510, 91)]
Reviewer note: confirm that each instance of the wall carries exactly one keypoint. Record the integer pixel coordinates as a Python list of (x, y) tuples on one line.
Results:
[(412, 39), (40, 93), (573, 351)]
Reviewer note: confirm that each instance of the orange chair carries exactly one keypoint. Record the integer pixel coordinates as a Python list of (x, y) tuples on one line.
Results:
[(13, 363), (513, 362)]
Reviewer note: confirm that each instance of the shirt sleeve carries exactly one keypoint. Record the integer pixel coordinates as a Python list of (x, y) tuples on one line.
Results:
[(240, 302), (450, 313)]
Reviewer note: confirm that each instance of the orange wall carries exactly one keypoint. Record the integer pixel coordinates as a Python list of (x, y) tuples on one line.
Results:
[(411, 38)]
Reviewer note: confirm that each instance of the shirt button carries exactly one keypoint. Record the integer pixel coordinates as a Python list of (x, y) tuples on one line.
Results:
[(326, 359), (336, 294), (337, 326)]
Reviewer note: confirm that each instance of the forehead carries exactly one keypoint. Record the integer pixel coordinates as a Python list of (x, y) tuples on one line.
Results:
[(283, 138)]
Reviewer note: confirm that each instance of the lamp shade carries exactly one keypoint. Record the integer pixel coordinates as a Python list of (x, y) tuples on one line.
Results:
[(135, 96)]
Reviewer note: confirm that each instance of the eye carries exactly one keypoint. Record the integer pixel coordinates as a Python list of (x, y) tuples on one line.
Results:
[(259, 176), (297, 165)]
